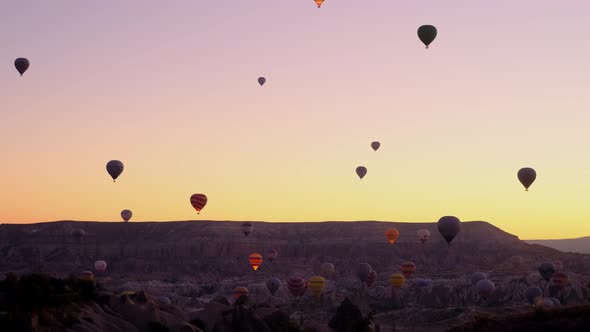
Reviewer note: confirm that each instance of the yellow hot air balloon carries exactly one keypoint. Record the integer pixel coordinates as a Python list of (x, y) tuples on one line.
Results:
[(392, 234), (317, 284), (255, 261), (397, 280), (319, 2)]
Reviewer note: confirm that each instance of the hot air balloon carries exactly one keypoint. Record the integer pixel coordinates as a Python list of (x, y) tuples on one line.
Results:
[(397, 280), (247, 228), (546, 303), (558, 265), (533, 293), (255, 260), (319, 2), (371, 279), (327, 269), (240, 291), (555, 301), (272, 254), (485, 287), (100, 265), (77, 233), (546, 270), (449, 227), (559, 280), (392, 234), (86, 276), (21, 64), (516, 261), (423, 283), (198, 201), (427, 34), (115, 168), (477, 276), (273, 284), (423, 235), (527, 176), (261, 81), (363, 271), (296, 286), (408, 268), (126, 215), (375, 145), (361, 171), (317, 284)]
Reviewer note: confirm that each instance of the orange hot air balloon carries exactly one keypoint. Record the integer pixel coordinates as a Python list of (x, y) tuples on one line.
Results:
[(198, 201), (319, 2), (392, 234), (240, 291), (255, 261)]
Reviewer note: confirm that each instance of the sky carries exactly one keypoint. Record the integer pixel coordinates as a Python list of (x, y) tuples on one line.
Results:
[(171, 90)]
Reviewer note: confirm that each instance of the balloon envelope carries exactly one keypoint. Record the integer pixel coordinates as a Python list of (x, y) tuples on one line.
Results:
[(485, 287), (371, 278), (546, 270), (423, 235), (86, 276), (361, 171), (296, 286), (255, 261), (273, 284), (532, 293), (408, 268), (240, 291), (527, 176), (427, 34), (272, 254), (392, 234), (375, 145), (126, 215), (100, 265), (198, 201), (477, 276), (327, 269), (115, 168), (559, 280), (319, 2), (21, 64), (397, 280), (449, 227), (261, 81), (317, 284), (363, 271), (247, 228)]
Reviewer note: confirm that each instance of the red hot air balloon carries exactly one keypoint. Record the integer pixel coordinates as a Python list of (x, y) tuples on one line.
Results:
[(408, 268), (255, 260), (296, 286), (198, 201)]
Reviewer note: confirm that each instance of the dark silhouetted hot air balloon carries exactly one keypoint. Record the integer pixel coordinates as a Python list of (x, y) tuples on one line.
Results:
[(255, 260), (423, 235), (77, 233), (247, 228), (126, 215), (115, 168), (555, 301), (273, 284), (477, 276), (296, 286), (21, 64), (198, 201), (375, 145), (392, 234), (371, 279), (361, 171), (319, 2), (559, 280), (408, 268), (261, 81), (427, 34), (485, 287), (100, 265), (449, 227), (533, 293), (317, 284), (240, 291), (527, 176), (397, 280), (363, 271), (272, 254), (327, 269), (546, 270)]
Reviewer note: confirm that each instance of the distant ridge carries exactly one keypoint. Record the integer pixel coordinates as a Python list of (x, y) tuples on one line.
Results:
[(578, 245)]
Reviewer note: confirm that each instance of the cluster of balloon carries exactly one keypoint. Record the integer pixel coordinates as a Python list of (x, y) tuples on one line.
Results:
[(546, 270), (115, 168), (392, 234), (198, 201), (296, 286), (317, 284), (449, 227), (255, 261), (126, 215), (100, 266), (427, 34), (485, 288), (247, 228), (397, 280), (22, 64), (240, 291), (319, 2), (408, 268), (363, 271), (527, 176), (327, 269), (273, 284), (361, 171), (272, 254), (423, 235), (371, 278)]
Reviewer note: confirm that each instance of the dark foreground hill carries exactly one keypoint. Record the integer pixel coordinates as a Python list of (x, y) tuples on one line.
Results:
[(219, 248)]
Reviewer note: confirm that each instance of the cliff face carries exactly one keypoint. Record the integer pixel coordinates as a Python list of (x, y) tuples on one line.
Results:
[(218, 249)]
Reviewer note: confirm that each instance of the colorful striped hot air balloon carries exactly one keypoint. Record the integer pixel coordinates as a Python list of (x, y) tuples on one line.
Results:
[(240, 291), (319, 2), (272, 254), (408, 268), (198, 201), (317, 284), (296, 286), (86, 276), (255, 261), (392, 234), (397, 280), (371, 279)]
